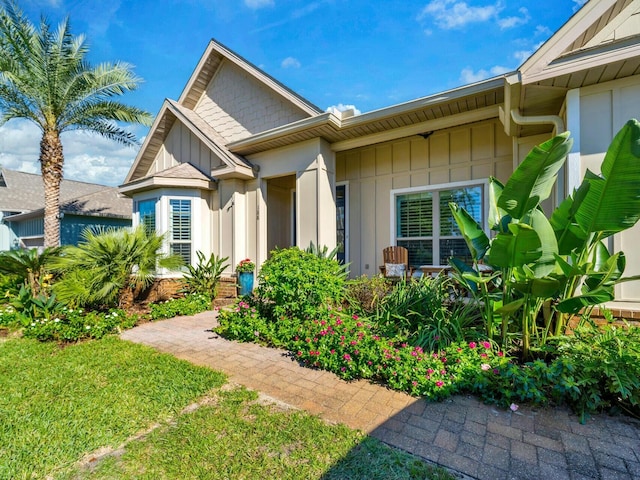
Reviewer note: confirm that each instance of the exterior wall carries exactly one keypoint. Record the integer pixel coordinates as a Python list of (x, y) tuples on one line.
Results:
[(7, 236), (237, 105), (72, 226), (180, 146), (470, 152), (602, 111), (312, 163)]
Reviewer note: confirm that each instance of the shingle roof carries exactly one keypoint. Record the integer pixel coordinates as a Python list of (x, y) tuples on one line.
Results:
[(24, 193)]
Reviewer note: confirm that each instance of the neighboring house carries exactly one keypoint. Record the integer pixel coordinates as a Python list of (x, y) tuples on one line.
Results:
[(240, 165), (82, 205)]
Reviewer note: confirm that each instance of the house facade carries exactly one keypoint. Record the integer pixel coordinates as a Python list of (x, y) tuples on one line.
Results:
[(240, 165), (82, 205)]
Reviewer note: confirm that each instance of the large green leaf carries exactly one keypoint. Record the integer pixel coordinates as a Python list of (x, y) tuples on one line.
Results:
[(532, 182), (539, 287), (569, 234), (476, 239), (517, 248), (594, 297), (549, 246), (498, 218), (612, 203)]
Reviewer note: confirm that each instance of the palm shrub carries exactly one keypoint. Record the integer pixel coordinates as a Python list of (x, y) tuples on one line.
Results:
[(28, 267), (204, 277), (550, 268), (110, 267), (294, 283)]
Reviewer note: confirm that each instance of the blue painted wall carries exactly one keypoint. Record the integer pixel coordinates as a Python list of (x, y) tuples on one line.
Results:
[(72, 226)]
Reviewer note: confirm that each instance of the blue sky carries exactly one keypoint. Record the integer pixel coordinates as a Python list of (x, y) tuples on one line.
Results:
[(367, 54)]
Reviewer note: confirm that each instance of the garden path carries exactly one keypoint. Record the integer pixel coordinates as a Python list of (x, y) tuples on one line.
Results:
[(461, 434)]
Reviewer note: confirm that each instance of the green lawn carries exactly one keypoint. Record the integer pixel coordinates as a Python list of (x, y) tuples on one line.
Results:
[(59, 404)]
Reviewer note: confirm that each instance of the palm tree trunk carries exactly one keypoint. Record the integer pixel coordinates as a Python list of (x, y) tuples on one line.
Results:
[(51, 162)]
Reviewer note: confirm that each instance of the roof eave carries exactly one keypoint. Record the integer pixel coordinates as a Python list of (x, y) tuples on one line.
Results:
[(153, 183)]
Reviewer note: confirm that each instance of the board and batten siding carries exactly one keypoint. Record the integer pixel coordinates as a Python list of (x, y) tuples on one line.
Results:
[(182, 146), (471, 152), (604, 109)]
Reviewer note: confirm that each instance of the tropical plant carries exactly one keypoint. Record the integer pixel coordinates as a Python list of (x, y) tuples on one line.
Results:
[(245, 266), (205, 276), (548, 269), (28, 267), (110, 267), (45, 78)]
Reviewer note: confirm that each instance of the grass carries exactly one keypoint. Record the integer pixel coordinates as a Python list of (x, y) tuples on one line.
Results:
[(60, 404)]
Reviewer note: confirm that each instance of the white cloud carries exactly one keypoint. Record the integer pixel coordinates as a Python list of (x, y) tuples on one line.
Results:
[(467, 75), (290, 62), (87, 157), (255, 4), (523, 55), (541, 30), (341, 107), (511, 22), (450, 14)]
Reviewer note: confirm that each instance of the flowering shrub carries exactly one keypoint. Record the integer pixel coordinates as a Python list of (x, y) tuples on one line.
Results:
[(245, 265), (188, 305), (73, 325), (8, 316)]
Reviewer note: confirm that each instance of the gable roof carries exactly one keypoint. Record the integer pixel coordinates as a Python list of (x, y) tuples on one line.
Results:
[(23, 192), (169, 114), (586, 50), (208, 66)]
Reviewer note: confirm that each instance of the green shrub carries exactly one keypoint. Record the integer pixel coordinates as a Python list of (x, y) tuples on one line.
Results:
[(8, 316), (426, 314), (71, 325), (189, 305), (109, 267), (364, 294), (294, 283), (599, 369), (204, 277)]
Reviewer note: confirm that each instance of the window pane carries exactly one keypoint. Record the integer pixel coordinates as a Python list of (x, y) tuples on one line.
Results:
[(180, 215), (183, 250), (180, 228), (454, 247), (341, 205), (469, 198), (147, 213), (420, 251), (414, 215)]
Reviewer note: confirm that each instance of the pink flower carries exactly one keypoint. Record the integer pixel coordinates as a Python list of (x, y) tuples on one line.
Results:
[(485, 366), (514, 407), (500, 354), (472, 345), (354, 316), (347, 357), (486, 345), (439, 383)]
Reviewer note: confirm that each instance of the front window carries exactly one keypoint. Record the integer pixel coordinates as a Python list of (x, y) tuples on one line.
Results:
[(426, 227), (147, 214), (180, 229)]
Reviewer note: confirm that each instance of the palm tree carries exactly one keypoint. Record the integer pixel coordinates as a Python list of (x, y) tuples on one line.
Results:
[(45, 78)]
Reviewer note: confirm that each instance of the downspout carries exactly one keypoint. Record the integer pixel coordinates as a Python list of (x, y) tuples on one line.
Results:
[(538, 120)]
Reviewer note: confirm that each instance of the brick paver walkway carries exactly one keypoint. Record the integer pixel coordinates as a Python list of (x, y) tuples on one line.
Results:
[(461, 434)]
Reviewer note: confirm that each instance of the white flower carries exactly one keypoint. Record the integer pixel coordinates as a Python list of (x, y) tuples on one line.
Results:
[(87, 327), (56, 320), (514, 407), (33, 324)]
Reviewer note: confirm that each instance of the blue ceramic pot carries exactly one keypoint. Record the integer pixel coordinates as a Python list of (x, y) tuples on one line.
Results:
[(245, 280)]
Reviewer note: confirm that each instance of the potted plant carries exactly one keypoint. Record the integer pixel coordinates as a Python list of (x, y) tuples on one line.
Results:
[(245, 269)]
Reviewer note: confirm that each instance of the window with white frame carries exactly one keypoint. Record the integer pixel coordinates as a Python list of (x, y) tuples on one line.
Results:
[(180, 228), (425, 225), (147, 214)]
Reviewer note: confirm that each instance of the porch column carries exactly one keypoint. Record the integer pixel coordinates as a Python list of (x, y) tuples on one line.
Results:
[(316, 202), (232, 226)]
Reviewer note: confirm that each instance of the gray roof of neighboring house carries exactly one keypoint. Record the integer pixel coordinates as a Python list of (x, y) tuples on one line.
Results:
[(24, 193)]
